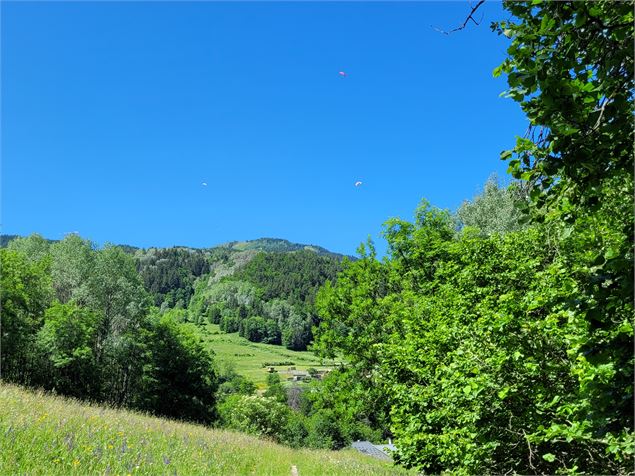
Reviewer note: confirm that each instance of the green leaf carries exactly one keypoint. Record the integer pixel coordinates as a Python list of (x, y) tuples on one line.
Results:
[(549, 457), (503, 393), (611, 253), (580, 20)]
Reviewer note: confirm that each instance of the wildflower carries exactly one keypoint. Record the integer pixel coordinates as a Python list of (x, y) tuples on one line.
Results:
[(75, 462)]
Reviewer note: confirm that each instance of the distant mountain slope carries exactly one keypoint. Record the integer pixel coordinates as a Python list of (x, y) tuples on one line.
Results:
[(261, 244), (5, 239)]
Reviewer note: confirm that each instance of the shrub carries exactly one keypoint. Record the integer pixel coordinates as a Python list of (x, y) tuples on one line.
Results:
[(256, 415)]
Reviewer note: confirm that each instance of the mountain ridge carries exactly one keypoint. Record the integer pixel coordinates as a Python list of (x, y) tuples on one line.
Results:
[(266, 244)]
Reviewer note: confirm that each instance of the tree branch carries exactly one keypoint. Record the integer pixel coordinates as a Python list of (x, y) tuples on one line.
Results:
[(469, 18)]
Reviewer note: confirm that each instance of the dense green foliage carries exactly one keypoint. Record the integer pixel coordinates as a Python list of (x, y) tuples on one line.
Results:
[(231, 382), (77, 320), (506, 348), (25, 287), (482, 352), (570, 66), (178, 379), (169, 274), (320, 417), (295, 277)]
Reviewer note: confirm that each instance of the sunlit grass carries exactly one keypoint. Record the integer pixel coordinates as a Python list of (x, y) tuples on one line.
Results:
[(45, 435)]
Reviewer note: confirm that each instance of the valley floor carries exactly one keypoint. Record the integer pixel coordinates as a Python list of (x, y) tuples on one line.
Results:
[(251, 359)]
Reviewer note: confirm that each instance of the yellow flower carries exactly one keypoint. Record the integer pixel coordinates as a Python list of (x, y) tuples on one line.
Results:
[(76, 462)]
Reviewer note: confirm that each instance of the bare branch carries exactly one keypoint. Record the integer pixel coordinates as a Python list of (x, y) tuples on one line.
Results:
[(469, 18), (531, 453)]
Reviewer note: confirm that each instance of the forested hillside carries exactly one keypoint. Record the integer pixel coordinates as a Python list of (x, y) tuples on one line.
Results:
[(269, 298), (265, 289)]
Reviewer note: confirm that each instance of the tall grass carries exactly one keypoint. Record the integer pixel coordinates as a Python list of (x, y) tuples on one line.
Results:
[(47, 435)]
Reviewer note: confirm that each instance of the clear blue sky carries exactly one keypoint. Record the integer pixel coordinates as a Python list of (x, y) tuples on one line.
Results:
[(113, 114)]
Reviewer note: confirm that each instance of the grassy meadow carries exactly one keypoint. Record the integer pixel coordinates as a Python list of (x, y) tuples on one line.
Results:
[(43, 434), (248, 357)]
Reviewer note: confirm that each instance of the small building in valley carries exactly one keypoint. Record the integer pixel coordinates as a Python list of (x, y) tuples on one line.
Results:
[(376, 451)]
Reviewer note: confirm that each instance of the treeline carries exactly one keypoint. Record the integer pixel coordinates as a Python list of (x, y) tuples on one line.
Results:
[(505, 344), (77, 320), (269, 299)]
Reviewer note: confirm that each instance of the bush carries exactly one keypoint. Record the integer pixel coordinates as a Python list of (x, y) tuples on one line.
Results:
[(324, 431), (275, 390), (229, 323), (296, 432), (280, 363), (256, 416), (66, 343), (232, 383)]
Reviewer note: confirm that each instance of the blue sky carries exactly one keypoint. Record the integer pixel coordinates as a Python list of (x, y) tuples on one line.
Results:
[(113, 114)]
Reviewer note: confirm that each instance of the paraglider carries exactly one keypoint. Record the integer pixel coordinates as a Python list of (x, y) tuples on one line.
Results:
[(358, 183), (204, 184), (342, 74)]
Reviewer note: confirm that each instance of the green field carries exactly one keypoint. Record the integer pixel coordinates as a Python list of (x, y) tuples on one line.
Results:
[(249, 357), (45, 435)]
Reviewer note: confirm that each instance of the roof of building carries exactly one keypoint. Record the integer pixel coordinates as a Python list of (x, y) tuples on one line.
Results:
[(377, 451)]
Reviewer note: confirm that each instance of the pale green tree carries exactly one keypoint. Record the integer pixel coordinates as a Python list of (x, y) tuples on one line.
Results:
[(35, 247), (72, 262), (497, 209)]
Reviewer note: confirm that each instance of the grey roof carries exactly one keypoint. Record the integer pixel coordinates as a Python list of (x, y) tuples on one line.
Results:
[(377, 451)]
